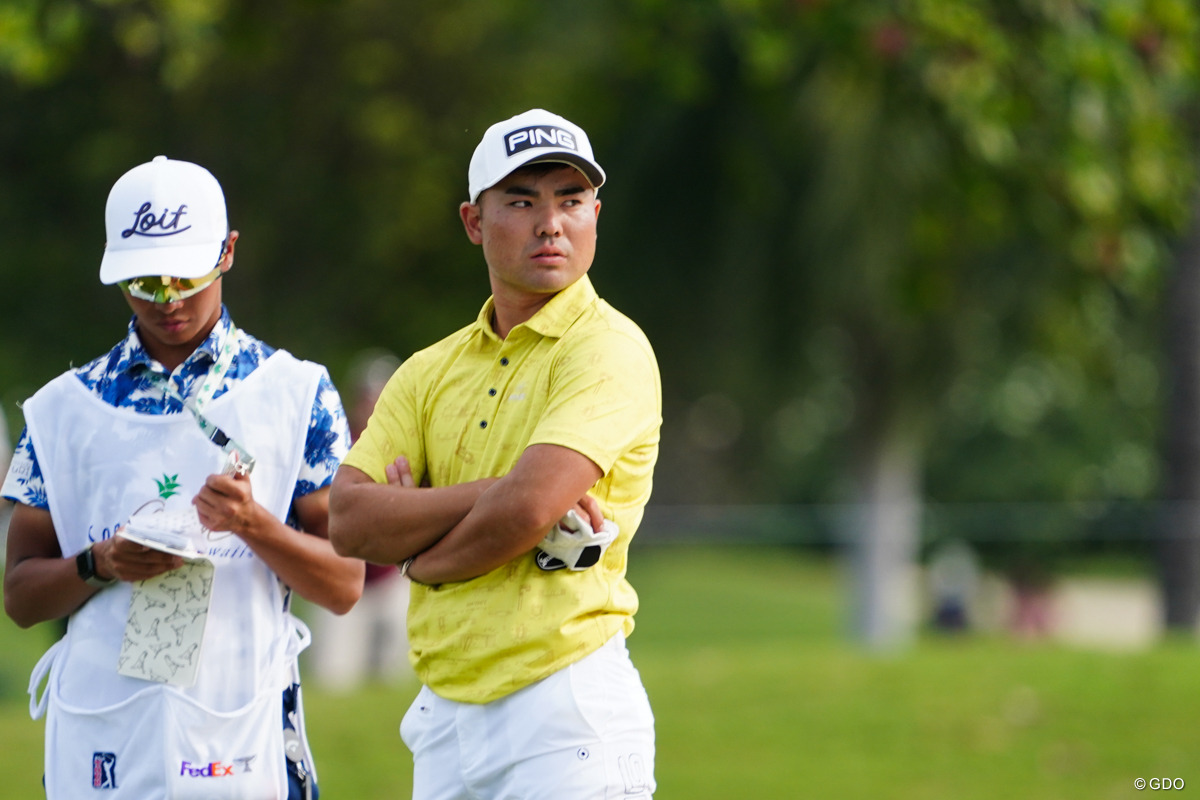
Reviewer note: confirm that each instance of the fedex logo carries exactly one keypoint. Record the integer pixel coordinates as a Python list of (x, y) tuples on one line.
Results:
[(538, 136), (214, 770)]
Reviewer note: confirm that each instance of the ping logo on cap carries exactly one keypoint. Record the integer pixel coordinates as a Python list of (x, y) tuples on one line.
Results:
[(538, 136), (145, 222)]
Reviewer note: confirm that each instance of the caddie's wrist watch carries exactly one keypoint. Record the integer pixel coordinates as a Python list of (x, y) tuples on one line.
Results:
[(85, 565)]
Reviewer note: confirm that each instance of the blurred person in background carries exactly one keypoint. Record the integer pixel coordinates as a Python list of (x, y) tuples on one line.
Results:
[(953, 575), (506, 468), (370, 642), (177, 676)]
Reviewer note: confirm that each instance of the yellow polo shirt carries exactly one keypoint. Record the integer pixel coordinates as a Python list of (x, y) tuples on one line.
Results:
[(578, 374)]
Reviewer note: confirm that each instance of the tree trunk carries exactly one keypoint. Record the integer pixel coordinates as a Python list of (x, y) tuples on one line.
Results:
[(885, 539), (1179, 534)]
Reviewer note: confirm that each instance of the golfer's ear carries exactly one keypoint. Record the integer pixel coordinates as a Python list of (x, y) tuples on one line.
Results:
[(470, 214), (227, 257)]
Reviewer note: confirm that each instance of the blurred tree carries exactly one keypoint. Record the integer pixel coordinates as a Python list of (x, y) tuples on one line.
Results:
[(918, 221), (340, 132), (1179, 535), (927, 234)]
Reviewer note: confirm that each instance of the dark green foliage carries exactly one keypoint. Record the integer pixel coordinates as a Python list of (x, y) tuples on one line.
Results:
[(831, 218)]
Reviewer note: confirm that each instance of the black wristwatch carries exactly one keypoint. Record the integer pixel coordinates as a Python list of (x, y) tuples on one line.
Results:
[(85, 565)]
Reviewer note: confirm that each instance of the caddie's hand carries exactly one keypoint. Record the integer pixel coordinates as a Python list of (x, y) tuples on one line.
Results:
[(119, 558), (226, 503)]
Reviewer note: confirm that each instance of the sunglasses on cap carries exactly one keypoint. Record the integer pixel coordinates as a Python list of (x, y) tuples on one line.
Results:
[(165, 289)]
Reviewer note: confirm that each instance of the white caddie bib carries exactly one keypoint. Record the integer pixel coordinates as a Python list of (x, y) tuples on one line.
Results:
[(222, 735)]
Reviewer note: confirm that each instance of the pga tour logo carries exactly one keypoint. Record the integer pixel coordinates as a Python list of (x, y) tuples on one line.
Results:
[(104, 770), (538, 136)]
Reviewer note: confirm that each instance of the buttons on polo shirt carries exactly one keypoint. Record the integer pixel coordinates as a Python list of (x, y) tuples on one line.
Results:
[(493, 391)]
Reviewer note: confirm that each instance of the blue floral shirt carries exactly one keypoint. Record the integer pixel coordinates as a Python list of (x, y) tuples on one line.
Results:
[(128, 377)]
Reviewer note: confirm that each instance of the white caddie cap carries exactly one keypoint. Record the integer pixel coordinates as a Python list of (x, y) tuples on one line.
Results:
[(163, 218), (536, 135)]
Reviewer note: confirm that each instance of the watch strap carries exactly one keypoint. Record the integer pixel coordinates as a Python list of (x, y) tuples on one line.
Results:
[(85, 565)]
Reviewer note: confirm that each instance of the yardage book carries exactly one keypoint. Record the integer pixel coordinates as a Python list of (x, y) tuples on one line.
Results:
[(167, 613)]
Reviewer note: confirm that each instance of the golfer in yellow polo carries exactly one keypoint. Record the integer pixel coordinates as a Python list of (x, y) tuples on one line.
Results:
[(506, 468)]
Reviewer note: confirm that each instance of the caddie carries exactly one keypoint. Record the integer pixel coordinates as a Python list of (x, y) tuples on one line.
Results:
[(506, 468), (171, 496)]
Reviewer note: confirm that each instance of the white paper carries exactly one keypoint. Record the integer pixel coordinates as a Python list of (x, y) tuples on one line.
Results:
[(190, 552)]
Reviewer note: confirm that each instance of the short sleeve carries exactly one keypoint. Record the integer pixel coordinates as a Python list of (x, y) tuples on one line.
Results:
[(605, 397), (23, 483), (393, 428), (327, 441)]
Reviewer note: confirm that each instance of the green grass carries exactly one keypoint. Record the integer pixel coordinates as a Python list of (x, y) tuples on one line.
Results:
[(758, 694)]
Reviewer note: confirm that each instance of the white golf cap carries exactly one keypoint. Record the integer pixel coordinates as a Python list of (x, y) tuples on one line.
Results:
[(536, 135), (163, 218)]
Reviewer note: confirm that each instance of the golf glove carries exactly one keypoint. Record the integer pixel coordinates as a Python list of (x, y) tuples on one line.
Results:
[(572, 544)]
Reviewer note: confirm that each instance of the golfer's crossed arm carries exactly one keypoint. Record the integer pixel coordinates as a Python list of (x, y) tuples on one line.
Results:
[(463, 531)]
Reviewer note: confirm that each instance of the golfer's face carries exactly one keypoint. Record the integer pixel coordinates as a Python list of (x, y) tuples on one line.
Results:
[(538, 231)]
